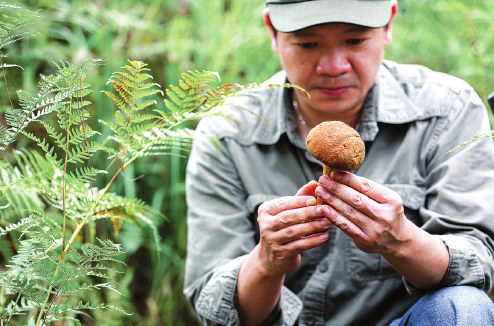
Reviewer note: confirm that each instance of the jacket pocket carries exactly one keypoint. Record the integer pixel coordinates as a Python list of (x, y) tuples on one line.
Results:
[(364, 267)]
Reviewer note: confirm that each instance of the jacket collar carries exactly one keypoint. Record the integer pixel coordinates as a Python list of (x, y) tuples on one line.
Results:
[(387, 102)]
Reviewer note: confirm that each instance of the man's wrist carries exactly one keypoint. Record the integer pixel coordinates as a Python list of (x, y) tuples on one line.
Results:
[(422, 258), (262, 269)]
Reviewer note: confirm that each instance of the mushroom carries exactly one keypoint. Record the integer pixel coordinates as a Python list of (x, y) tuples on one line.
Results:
[(337, 145)]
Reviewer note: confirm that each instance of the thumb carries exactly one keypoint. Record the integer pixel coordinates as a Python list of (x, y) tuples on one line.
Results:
[(308, 189)]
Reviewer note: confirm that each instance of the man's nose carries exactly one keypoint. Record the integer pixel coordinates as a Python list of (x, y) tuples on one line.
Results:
[(333, 63)]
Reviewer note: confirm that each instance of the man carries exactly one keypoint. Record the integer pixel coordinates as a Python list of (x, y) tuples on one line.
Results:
[(407, 239)]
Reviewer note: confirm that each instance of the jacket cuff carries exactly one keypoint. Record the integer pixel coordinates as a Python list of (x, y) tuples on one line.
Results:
[(286, 312), (216, 303), (464, 266)]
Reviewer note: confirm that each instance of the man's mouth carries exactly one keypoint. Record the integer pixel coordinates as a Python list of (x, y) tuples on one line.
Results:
[(334, 91)]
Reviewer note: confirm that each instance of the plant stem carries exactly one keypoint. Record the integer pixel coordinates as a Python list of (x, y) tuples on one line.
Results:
[(12, 312), (6, 85), (64, 174), (76, 232)]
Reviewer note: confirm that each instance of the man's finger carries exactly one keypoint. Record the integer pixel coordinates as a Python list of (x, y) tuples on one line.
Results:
[(296, 216), (308, 189), (371, 189), (278, 205)]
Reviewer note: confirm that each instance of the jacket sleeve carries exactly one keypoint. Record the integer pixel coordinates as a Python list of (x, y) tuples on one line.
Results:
[(460, 192), (221, 234)]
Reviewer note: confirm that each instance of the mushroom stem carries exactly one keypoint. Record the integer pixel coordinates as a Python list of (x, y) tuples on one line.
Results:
[(326, 170)]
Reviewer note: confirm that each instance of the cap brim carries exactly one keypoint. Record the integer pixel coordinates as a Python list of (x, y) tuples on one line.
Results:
[(299, 15)]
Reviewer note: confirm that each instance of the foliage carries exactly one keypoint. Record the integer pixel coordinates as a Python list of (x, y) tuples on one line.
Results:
[(51, 210), (11, 30), (452, 36)]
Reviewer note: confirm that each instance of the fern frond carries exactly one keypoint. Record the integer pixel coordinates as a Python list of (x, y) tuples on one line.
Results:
[(16, 198), (188, 95), (198, 99), (47, 147), (61, 92), (70, 290), (132, 98), (36, 274), (24, 305), (23, 222), (131, 86), (15, 19), (25, 272), (194, 98), (68, 307), (81, 152), (118, 100), (84, 174), (8, 65)]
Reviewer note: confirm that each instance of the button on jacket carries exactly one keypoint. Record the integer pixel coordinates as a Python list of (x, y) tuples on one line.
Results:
[(411, 118)]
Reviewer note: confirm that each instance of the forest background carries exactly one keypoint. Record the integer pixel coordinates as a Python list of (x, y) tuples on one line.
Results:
[(228, 37)]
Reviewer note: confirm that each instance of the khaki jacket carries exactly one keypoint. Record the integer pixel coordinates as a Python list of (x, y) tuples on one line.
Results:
[(411, 118)]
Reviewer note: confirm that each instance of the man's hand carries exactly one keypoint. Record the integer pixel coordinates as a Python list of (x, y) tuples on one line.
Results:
[(289, 226), (373, 216)]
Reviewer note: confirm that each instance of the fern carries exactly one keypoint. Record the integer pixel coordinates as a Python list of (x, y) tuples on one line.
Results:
[(163, 132), (49, 205), (15, 226), (49, 194), (63, 93), (13, 25), (33, 278), (13, 22)]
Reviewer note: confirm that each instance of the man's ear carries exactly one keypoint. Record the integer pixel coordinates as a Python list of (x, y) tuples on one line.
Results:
[(267, 22), (389, 27)]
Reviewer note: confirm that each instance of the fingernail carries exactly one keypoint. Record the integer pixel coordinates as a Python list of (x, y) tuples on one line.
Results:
[(324, 223), (311, 201), (323, 236), (324, 180), (336, 175), (323, 210)]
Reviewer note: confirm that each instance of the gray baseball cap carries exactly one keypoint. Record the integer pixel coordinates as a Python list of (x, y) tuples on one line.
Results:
[(292, 15)]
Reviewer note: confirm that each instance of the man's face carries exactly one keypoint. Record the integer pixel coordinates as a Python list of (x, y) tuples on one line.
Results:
[(335, 63)]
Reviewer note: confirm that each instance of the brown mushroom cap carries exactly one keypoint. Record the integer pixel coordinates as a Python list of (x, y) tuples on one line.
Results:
[(336, 145)]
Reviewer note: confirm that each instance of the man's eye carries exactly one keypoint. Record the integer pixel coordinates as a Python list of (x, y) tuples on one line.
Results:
[(355, 41), (308, 45)]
